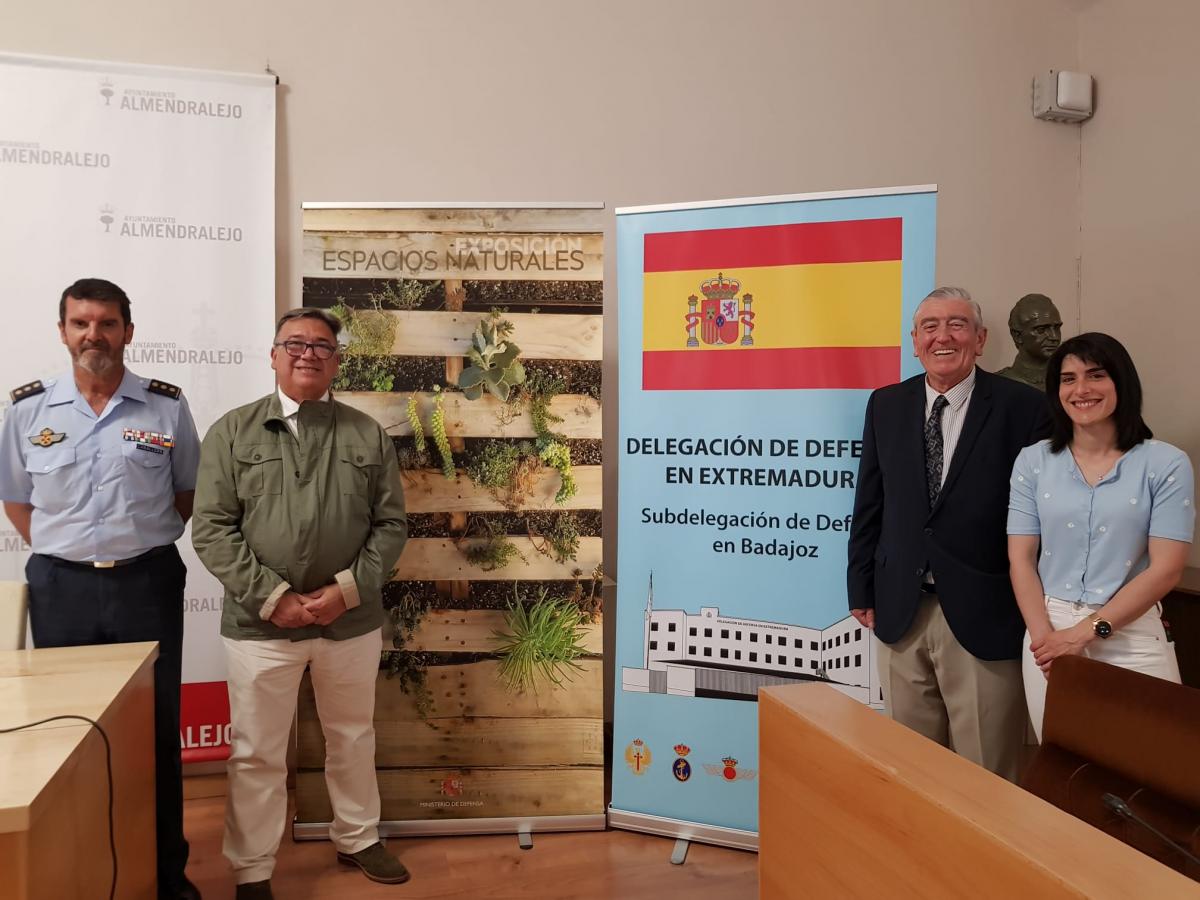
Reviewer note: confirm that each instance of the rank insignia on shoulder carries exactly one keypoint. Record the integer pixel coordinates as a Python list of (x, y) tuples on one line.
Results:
[(27, 390), (46, 437), (166, 390)]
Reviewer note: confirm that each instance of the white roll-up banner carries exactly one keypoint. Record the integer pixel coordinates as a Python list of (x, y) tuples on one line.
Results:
[(163, 181)]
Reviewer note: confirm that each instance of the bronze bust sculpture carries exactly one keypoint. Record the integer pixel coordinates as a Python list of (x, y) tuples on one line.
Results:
[(1036, 329)]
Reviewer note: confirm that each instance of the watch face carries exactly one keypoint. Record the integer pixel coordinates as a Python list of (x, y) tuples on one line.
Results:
[(1102, 628)]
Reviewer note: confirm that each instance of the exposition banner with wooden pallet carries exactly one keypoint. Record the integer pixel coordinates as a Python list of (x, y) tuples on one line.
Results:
[(462, 744), (751, 333)]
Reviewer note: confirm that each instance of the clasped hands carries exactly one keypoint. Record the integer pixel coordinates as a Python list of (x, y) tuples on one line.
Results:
[(1070, 641), (320, 607)]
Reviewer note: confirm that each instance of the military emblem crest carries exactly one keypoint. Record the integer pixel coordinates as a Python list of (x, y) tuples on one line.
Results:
[(637, 756), (729, 770), (681, 768), (47, 437)]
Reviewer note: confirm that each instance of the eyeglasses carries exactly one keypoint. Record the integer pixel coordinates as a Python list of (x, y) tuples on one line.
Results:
[(320, 350)]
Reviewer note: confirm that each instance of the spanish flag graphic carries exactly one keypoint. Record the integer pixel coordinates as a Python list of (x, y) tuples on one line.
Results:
[(773, 307)]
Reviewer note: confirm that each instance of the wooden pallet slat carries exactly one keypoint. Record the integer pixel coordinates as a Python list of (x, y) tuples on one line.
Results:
[(478, 418), (474, 742), (473, 631), (429, 491), (465, 221), (475, 689), (439, 559), (453, 793), (539, 335)]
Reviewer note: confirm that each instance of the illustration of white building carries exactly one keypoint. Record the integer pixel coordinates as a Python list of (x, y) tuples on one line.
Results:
[(706, 654)]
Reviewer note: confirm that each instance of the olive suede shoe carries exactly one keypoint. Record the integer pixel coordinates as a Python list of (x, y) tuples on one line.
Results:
[(255, 890), (377, 864)]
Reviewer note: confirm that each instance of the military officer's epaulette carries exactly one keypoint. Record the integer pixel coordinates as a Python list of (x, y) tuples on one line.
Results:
[(26, 391), (161, 387)]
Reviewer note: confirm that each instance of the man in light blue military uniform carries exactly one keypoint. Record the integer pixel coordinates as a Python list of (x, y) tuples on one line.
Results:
[(97, 473)]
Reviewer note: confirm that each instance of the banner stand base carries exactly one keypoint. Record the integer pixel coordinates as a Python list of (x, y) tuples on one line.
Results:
[(678, 828), (679, 853), (518, 825)]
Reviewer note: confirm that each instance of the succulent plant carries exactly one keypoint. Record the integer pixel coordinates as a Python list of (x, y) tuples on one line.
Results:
[(494, 366)]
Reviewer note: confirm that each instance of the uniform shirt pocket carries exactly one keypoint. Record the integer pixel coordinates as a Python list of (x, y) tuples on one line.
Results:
[(146, 471), (145, 456), (258, 469), (57, 480), (357, 468)]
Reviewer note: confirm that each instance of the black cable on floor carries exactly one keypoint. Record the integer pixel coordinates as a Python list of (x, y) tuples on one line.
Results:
[(112, 837)]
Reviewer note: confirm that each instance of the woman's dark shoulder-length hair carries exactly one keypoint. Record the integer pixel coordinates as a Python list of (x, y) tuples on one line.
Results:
[(1109, 353)]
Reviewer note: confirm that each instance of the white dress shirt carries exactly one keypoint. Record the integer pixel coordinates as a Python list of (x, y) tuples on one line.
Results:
[(291, 410)]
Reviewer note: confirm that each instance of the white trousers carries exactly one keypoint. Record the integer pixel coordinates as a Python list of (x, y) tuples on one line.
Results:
[(1141, 645), (264, 680)]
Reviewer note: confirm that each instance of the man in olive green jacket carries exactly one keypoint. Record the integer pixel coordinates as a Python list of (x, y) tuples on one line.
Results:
[(300, 515)]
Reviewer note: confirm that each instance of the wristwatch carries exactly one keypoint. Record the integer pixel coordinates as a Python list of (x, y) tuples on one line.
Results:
[(1102, 628)]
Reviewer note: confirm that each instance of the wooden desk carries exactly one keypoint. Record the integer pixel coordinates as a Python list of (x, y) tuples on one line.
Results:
[(1181, 607), (853, 805), (53, 786)]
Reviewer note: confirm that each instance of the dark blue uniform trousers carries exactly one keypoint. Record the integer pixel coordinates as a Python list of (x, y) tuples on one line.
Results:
[(73, 604)]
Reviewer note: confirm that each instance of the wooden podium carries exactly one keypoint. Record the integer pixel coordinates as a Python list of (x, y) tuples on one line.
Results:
[(53, 786), (853, 805)]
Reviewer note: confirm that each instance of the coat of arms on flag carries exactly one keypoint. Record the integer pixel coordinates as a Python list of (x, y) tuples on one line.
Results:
[(719, 317)]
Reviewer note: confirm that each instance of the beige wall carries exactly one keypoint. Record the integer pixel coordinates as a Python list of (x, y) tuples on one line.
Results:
[(1140, 226), (644, 102)]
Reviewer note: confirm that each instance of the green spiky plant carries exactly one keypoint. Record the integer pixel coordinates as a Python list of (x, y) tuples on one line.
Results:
[(494, 365), (541, 641), (437, 428)]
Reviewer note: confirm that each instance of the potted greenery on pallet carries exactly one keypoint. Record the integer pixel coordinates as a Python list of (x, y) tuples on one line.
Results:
[(490, 703)]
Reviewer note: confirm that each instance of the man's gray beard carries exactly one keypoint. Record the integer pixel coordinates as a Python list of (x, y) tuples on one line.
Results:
[(95, 361)]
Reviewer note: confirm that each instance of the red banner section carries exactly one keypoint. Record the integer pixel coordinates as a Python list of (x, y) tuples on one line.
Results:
[(805, 243), (763, 369), (204, 722)]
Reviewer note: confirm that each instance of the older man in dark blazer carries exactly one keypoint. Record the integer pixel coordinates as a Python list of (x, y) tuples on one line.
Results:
[(928, 563)]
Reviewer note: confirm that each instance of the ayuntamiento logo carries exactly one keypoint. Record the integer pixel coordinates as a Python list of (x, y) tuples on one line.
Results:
[(170, 103), (167, 227), (32, 153)]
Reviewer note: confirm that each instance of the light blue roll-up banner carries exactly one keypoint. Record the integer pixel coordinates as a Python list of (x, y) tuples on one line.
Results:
[(751, 333)]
